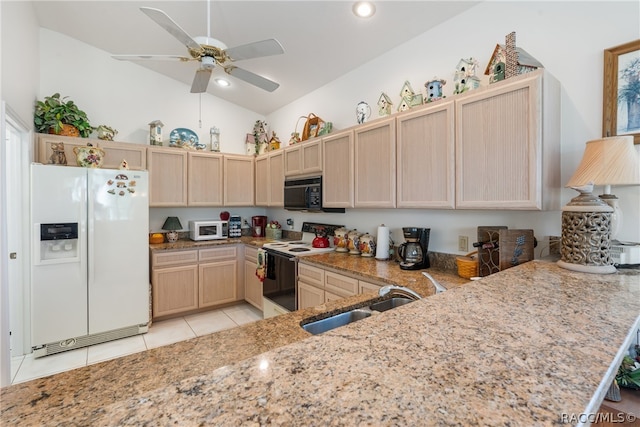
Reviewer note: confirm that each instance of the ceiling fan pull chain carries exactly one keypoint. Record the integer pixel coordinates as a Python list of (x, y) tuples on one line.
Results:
[(200, 112)]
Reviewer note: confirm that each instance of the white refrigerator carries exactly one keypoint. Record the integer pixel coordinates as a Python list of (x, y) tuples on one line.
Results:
[(90, 256)]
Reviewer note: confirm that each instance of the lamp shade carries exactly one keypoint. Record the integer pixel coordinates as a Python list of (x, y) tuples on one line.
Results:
[(608, 161), (172, 223)]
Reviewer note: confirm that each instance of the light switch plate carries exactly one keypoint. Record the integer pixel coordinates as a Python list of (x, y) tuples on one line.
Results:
[(463, 243)]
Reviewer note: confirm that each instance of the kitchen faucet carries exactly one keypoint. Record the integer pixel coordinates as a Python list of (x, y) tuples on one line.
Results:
[(398, 290), (439, 287)]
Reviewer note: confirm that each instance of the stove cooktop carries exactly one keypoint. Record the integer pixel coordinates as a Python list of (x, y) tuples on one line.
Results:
[(297, 248)]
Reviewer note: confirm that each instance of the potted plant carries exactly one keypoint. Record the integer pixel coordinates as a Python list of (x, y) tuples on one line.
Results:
[(52, 114)]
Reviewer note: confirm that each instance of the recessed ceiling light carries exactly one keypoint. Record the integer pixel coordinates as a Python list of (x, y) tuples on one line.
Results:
[(364, 9), (222, 82)]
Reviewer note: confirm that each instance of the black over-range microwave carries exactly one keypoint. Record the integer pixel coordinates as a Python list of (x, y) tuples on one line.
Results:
[(305, 194)]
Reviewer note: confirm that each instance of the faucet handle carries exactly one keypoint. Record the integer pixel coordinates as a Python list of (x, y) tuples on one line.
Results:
[(438, 286)]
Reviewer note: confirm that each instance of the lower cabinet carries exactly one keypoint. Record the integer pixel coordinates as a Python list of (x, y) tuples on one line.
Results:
[(252, 285), (317, 286), (187, 280)]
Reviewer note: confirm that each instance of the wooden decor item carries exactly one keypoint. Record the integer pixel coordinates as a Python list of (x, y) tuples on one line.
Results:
[(500, 248), (489, 250)]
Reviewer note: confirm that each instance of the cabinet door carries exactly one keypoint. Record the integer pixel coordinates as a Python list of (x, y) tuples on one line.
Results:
[(204, 182), (375, 164), (252, 285), (116, 152), (309, 296), (276, 178), (339, 284), (292, 160), (217, 283), (367, 287), (44, 151), (311, 155), (174, 289), (337, 167), (498, 146), (238, 180), (426, 158), (262, 180), (167, 177)]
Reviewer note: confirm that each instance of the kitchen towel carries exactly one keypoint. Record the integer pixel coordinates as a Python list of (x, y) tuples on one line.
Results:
[(261, 267), (382, 249)]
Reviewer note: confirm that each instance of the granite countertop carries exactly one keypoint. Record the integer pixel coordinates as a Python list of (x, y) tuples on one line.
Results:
[(520, 347)]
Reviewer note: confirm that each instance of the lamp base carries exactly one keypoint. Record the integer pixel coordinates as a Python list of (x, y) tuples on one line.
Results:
[(594, 269), (172, 236)]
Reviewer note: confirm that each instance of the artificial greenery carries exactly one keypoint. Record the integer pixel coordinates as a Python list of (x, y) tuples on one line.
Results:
[(629, 373), (55, 111)]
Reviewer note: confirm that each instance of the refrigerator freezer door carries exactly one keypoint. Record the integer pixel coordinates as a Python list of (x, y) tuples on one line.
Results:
[(59, 288), (118, 221)]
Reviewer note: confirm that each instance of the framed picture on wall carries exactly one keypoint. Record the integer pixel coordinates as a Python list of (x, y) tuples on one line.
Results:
[(621, 94)]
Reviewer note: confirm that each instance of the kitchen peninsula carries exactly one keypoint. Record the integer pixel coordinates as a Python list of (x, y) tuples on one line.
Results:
[(526, 346)]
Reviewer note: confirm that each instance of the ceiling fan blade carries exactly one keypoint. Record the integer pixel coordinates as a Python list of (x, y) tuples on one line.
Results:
[(254, 79), (151, 58), (201, 81), (255, 50), (171, 27)]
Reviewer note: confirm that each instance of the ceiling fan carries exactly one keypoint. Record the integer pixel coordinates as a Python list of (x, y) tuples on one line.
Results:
[(211, 52)]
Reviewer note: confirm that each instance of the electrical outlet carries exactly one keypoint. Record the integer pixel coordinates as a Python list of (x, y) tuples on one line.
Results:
[(463, 243)]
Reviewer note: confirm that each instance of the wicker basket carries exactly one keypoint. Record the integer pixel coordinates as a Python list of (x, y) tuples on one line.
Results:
[(273, 233), (467, 265)]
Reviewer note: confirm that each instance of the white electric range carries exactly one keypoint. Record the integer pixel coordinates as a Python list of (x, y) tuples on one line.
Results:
[(297, 248)]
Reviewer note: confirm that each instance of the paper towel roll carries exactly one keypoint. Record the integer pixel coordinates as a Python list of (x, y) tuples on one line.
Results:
[(382, 248)]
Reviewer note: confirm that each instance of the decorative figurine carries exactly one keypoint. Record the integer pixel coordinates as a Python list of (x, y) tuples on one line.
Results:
[(363, 111), (124, 165), (58, 157), (295, 138), (260, 136), (508, 60), (465, 77), (214, 133), (155, 132), (106, 133), (384, 105), (434, 89)]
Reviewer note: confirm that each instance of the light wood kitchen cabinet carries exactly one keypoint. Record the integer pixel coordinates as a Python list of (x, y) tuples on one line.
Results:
[(375, 164), (116, 152), (204, 179), (317, 286), (426, 157), (309, 296), (507, 145), (239, 176), (167, 177), (269, 184), (339, 284), (304, 158), (337, 167), (252, 285), (44, 150), (174, 282), (364, 286), (217, 279)]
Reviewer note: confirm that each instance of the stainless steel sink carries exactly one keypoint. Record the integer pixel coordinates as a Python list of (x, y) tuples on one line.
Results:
[(324, 325), (389, 303)]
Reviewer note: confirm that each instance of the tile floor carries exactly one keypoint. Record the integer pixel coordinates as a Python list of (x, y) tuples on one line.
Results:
[(25, 368)]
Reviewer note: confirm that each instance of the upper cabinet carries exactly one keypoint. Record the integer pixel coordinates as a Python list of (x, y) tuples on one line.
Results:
[(238, 180), (426, 157), (304, 158), (507, 145), (375, 164), (116, 152), (204, 179), (167, 176), (269, 184), (337, 167)]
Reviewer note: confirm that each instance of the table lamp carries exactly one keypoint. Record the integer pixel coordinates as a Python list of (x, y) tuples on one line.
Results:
[(172, 224), (588, 220)]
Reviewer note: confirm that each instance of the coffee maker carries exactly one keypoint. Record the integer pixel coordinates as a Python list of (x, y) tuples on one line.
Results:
[(258, 225), (413, 253)]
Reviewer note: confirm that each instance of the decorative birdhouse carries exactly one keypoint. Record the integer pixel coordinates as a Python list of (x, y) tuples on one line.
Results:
[(155, 132), (250, 144), (384, 105), (405, 104), (508, 60), (465, 77), (260, 136), (434, 89), (408, 97), (214, 134)]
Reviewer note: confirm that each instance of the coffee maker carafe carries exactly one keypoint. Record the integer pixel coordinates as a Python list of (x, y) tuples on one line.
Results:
[(258, 226), (413, 253)]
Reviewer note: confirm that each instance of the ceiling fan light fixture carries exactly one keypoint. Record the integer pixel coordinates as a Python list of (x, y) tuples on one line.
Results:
[(222, 82), (364, 9)]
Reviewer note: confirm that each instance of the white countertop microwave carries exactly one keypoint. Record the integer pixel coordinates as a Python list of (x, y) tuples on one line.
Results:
[(208, 229)]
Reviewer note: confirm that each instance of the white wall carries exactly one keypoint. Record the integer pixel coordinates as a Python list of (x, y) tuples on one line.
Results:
[(568, 38), (127, 97)]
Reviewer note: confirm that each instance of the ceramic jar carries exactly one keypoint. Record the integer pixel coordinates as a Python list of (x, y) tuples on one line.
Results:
[(340, 240), (89, 156), (367, 245), (353, 242)]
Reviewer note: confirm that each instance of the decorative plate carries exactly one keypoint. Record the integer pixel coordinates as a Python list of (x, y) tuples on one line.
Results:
[(185, 138)]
